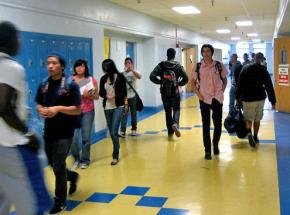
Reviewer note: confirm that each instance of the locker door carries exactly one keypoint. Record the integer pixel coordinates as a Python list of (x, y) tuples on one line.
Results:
[(71, 57), (43, 51)]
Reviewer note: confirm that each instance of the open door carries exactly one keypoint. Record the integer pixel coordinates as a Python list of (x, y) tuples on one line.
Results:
[(190, 62)]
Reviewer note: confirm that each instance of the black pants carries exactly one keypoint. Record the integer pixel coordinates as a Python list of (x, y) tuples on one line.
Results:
[(56, 152), (217, 110), (172, 112)]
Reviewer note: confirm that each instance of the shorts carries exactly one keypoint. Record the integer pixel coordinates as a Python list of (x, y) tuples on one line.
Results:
[(253, 111)]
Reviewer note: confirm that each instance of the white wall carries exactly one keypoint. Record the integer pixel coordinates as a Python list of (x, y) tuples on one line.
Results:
[(90, 18)]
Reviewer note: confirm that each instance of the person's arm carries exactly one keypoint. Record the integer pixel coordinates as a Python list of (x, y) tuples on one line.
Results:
[(8, 108), (155, 75), (94, 94), (102, 91), (183, 80), (137, 74), (269, 88), (194, 84)]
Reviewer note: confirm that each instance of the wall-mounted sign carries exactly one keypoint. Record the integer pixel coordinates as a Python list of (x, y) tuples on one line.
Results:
[(283, 75)]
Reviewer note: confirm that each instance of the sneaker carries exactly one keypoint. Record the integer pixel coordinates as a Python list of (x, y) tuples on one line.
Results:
[(73, 184), (114, 161), (207, 156), (75, 165), (84, 165), (122, 134), (176, 130), (134, 133), (256, 139), (57, 208), (216, 150), (251, 140)]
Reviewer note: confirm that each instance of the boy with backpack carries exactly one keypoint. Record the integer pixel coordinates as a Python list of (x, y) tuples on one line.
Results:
[(170, 75), (209, 84)]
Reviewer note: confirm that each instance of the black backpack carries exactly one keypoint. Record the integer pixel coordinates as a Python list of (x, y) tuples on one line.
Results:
[(218, 67), (169, 85)]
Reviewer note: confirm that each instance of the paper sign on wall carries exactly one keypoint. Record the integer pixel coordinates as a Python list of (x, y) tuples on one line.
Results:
[(283, 76)]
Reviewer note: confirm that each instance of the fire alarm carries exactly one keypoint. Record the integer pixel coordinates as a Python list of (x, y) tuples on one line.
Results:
[(177, 45)]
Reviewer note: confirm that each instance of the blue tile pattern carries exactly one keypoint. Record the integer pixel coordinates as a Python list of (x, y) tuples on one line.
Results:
[(152, 201), (151, 132), (185, 128), (72, 204), (173, 211), (138, 191), (101, 197)]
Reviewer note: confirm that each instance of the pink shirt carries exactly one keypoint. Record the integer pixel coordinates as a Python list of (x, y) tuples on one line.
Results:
[(87, 105), (210, 82)]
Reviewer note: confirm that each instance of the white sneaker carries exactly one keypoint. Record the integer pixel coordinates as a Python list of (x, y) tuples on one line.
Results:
[(75, 165), (134, 133), (122, 134), (84, 165)]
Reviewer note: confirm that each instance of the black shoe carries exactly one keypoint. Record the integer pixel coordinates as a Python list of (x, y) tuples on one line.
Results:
[(73, 184), (207, 156), (57, 208), (216, 150), (251, 140), (256, 138)]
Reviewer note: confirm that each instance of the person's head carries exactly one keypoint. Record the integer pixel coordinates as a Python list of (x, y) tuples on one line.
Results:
[(246, 57), (128, 63), (171, 53), (207, 51), (110, 69), (259, 58), (253, 55), (9, 42), (81, 68), (234, 58), (55, 65)]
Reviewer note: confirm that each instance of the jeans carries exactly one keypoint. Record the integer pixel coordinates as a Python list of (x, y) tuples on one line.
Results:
[(132, 104), (172, 112), (56, 152), (113, 118), (217, 110), (232, 98), (87, 120)]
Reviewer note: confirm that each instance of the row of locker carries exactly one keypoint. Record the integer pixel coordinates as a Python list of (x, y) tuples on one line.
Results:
[(33, 56)]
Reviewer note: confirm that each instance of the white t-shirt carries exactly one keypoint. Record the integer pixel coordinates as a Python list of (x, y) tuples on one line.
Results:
[(132, 80), (12, 74)]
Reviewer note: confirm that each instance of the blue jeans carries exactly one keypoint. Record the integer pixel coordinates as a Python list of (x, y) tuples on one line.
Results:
[(132, 104), (232, 98), (87, 120), (113, 118)]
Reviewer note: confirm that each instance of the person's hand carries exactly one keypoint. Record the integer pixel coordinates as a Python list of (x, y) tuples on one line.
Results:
[(86, 93), (52, 111), (33, 142), (273, 107), (42, 112), (126, 109)]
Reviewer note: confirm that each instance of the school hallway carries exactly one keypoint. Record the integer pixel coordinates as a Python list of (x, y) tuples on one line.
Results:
[(160, 176)]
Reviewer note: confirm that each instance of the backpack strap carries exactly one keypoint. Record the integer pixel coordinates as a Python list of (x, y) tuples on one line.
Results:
[(219, 68)]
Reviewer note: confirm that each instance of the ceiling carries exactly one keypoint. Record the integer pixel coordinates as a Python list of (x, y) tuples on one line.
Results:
[(215, 14)]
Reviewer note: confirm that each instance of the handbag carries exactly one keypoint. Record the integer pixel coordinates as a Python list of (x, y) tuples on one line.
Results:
[(139, 105)]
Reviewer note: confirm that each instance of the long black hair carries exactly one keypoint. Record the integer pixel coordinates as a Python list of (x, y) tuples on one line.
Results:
[(110, 68), (81, 62)]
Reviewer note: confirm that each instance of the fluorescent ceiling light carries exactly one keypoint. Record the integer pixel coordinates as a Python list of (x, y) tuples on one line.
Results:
[(252, 34), (186, 10), (256, 40), (244, 23), (223, 31), (235, 38)]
